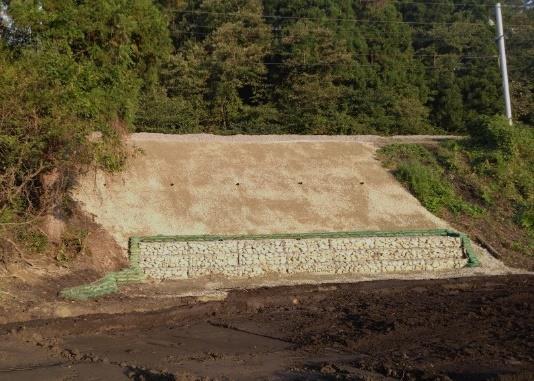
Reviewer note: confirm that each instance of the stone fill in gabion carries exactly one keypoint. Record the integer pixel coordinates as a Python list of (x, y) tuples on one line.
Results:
[(254, 257)]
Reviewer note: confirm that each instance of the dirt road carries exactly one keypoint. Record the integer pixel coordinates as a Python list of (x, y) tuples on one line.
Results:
[(457, 329)]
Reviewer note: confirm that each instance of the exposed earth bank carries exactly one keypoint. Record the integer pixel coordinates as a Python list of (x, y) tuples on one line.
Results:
[(456, 329), (206, 184)]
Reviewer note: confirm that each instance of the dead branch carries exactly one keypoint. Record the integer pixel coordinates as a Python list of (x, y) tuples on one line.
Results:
[(21, 253)]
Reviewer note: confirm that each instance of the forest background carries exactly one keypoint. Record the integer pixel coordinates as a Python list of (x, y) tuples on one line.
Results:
[(73, 70)]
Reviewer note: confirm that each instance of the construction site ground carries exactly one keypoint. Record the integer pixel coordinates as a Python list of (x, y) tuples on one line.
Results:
[(470, 324), (448, 329)]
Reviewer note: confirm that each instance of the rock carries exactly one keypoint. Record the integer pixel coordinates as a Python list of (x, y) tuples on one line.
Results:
[(248, 258)]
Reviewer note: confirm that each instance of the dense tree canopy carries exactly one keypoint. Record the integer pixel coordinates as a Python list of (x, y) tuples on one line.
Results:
[(71, 68), (337, 66), (68, 69)]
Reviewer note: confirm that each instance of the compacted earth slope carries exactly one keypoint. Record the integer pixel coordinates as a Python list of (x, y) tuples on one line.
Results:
[(203, 184)]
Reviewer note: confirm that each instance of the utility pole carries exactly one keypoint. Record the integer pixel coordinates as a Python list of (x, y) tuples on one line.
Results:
[(502, 62)]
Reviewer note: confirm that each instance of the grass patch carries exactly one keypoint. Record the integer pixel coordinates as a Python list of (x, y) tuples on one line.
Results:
[(483, 185), (418, 169)]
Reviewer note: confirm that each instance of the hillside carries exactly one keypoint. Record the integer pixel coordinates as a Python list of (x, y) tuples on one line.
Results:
[(206, 184)]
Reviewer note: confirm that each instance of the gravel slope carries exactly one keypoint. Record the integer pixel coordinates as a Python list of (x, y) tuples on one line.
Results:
[(205, 184)]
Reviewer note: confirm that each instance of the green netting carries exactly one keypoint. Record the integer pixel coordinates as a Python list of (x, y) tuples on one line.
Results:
[(472, 260), (348, 234), (103, 286), (110, 283)]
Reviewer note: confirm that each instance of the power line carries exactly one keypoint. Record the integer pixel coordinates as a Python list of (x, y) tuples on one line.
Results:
[(190, 32), (366, 35), (337, 19), (436, 56), (452, 55), (355, 64), (317, 18), (351, 64), (203, 26), (359, 32), (366, 54), (456, 4)]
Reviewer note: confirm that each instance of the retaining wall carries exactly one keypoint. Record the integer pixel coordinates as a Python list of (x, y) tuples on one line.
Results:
[(314, 253), (165, 257)]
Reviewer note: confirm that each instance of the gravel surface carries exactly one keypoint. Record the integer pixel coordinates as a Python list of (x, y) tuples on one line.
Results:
[(375, 139), (205, 184)]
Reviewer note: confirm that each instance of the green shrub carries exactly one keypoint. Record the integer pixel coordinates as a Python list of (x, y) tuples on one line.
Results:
[(494, 169), (81, 69), (396, 153), (503, 157), (420, 171), (110, 155), (496, 133), (159, 113), (430, 188), (33, 240), (424, 183), (525, 217), (73, 243)]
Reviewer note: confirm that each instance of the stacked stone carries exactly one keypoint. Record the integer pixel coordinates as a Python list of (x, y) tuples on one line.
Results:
[(248, 258)]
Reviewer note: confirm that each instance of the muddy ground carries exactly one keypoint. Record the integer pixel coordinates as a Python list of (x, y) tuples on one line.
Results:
[(457, 329)]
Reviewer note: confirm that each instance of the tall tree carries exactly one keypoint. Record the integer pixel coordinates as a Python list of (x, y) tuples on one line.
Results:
[(218, 65), (69, 68), (455, 40)]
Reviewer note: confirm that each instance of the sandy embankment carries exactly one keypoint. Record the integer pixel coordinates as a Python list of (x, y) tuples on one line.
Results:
[(204, 184)]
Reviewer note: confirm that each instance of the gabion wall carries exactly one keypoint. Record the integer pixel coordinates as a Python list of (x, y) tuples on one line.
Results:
[(183, 258)]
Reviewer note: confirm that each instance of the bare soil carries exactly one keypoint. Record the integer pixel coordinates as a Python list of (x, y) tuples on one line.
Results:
[(497, 232), (456, 329), (205, 184)]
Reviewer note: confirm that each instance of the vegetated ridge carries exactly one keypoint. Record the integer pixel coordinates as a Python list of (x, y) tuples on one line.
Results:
[(76, 77)]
